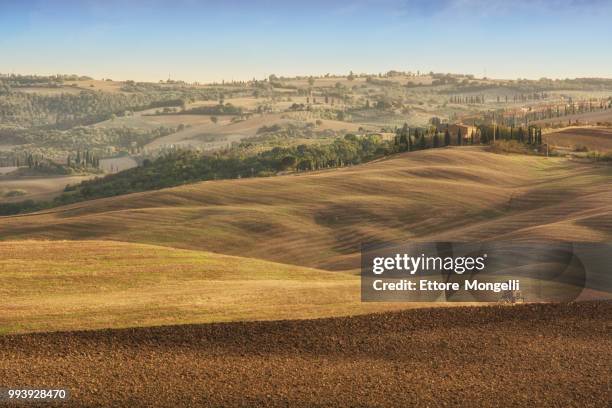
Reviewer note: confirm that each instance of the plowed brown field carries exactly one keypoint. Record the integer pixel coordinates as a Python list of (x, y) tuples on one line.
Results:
[(527, 355)]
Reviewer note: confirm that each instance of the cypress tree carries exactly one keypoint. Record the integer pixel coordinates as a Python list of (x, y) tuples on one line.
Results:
[(484, 137), (436, 140), (406, 136), (409, 139), (422, 142)]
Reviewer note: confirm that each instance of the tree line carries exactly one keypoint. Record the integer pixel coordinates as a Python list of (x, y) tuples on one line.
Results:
[(99, 141), (66, 110), (186, 166), (411, 139), (549, 112), (180, 167)]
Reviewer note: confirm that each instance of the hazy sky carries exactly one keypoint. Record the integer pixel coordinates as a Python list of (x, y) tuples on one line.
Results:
[(213, 40)]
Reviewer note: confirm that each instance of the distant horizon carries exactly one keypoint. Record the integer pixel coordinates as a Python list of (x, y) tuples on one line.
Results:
[(280, 75), (210, 41)]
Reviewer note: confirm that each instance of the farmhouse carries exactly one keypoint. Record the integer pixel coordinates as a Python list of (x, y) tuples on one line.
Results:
[(467, 132)]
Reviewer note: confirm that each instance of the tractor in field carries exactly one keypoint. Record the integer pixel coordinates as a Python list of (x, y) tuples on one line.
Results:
[(512, 296)]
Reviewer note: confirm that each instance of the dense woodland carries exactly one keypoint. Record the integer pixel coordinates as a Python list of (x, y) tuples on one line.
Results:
[(89, 137), (67, 110), (61, 146)]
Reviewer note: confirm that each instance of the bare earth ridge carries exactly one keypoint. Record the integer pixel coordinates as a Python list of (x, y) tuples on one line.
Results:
[(527, 355)]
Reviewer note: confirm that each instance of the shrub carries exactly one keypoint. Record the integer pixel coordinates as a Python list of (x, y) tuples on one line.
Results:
[(15, 193), (581, 148), (508, 146), (598, 156)]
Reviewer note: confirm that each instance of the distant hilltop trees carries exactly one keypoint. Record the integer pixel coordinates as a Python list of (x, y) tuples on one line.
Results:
[(66, 110), (37, 164), (441, 135)]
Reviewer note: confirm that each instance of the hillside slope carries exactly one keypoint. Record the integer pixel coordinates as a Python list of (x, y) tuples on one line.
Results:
[(593, 138), (69, 285), (319, 219)]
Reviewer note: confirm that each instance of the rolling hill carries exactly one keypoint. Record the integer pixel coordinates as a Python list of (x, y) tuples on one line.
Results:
[(319, 219), (274, 248), (72, 285), (35, 188), (593, 138), (587, 118)]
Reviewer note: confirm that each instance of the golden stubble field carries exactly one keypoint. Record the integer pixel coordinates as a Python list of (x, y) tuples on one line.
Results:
[(280, 247), (319, 219), (71, 285)]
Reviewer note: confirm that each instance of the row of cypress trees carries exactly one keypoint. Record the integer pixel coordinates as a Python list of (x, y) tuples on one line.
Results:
[(407, 139)]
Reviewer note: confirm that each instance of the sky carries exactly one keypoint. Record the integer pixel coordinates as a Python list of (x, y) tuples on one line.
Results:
[(228, 40)]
